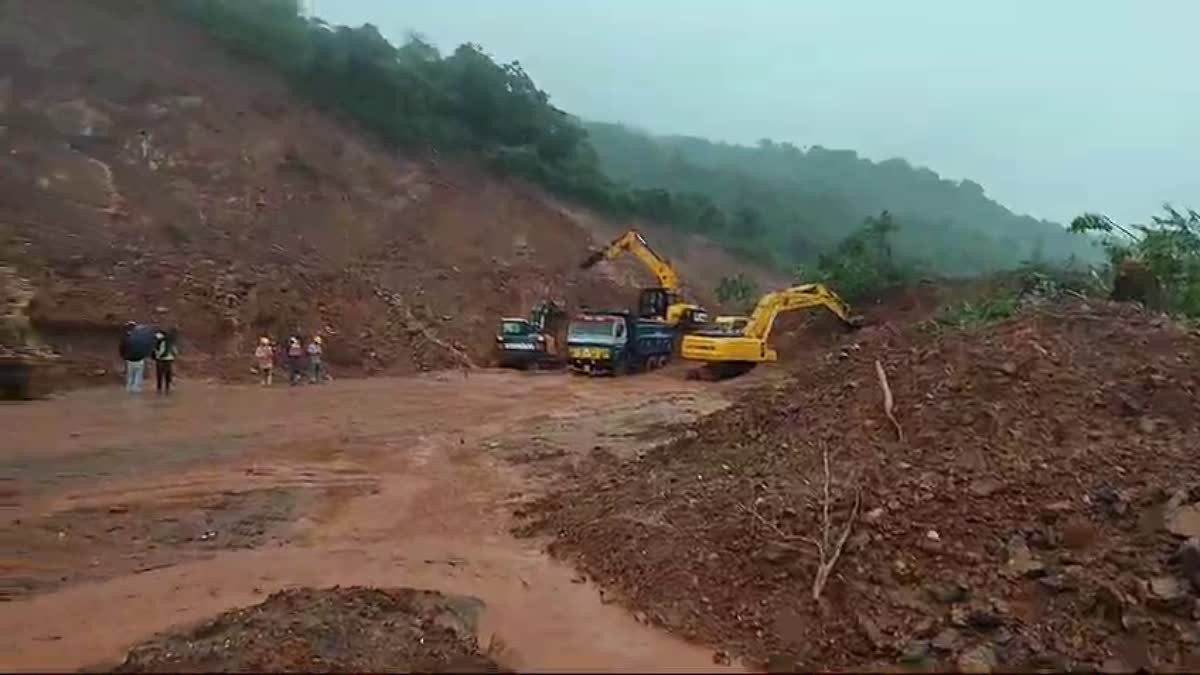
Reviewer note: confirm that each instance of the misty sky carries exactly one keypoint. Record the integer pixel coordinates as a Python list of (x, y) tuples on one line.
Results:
[(1054, 106)]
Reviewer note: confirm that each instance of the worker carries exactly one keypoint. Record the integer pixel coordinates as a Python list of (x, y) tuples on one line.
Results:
[(316, 367), (136, 345), (165, 353), (295, 360), (264, 355)]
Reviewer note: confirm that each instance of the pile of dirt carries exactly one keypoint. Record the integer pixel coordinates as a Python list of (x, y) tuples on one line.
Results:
[(147, 175), (357, 629), (1041, 511)]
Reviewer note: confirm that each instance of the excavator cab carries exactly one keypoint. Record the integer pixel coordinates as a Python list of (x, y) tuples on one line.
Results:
[(653, 303), (669, 306)]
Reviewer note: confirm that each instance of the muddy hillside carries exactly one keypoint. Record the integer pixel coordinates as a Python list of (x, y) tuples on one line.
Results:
[(1035, 504), (146, 175)]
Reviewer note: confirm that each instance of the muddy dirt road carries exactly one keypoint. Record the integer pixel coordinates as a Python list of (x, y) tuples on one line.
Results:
[(124, 516)]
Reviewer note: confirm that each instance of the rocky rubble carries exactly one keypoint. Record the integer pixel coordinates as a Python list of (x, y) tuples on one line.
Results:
[(1039, 514), (329, 630)]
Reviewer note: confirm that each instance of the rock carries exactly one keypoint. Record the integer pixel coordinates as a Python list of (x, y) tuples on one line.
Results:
[(947, 593), (984, 620), (933, 535), (1146, 425), (981, 659), (1109, 602), (1051, 512), (915, 652), (1166, 588), (946, 641), (1187, 559), (1056, 583), (985, 487), (1183, 520), (1111, 502), (1021, 561), (1049, 663), (870, 630)]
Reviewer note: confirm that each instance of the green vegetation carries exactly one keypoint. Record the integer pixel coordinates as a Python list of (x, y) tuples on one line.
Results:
[(793, 205), (863, 264), (967, 314), (739, 290), (1168, 248), (774, 203)]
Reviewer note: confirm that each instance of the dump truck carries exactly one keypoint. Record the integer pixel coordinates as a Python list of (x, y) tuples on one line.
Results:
[(533, 343), (616, 342)]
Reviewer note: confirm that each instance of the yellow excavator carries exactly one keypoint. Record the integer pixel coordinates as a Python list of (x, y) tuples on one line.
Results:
[(663, 302), (736, 344)]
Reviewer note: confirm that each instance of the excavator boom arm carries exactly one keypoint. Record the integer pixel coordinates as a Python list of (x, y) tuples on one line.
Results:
[(634, 243), (796, 297)]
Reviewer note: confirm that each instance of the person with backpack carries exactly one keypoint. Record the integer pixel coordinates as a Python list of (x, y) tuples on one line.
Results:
[(165, 353), (136, 345), (295, 360)]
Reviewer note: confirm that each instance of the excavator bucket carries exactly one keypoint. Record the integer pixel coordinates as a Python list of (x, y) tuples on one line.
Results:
[(592, 259)]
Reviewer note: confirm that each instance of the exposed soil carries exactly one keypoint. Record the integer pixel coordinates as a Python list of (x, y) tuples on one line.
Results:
[(1034, 516), (174, 510), (339, 629), (146, 175), (127, 539)]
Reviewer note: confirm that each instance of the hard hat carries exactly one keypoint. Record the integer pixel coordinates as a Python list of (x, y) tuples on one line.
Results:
[(264, 340), (160, 335)]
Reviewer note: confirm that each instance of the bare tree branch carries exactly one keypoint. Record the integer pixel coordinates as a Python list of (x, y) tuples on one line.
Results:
[(888, 403), (829, 557)]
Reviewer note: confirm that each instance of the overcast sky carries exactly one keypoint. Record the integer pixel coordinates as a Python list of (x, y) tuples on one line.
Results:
[(1054, 106)]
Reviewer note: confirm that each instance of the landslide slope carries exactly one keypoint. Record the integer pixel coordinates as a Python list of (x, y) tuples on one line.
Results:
[(1041, 511), (145, 174)]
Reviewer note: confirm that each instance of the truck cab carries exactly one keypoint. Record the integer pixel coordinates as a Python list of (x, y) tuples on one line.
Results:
[(616, 342)]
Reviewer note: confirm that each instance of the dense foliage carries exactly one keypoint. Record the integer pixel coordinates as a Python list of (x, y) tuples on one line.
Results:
[(805, 202), (774, 203), (1168, 247), (738, 290), (863, 264)]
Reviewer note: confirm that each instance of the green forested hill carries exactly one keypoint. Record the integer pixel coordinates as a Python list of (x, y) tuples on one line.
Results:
[(807, 201), (774, 203)]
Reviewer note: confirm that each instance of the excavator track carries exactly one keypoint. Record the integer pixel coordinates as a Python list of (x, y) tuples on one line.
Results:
[(720, 370)]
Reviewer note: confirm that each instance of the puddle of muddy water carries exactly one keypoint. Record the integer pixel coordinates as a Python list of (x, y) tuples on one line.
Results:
[(436, 516)]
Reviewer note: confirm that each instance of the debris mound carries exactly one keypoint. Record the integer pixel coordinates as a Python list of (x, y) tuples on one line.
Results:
[(1034, 504), (337, 629)]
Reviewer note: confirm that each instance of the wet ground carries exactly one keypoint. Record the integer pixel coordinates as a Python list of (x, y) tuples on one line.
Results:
[(126, 516)]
